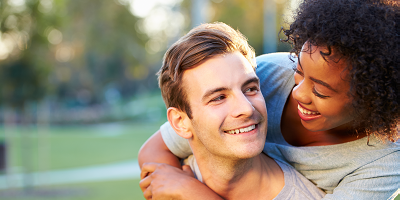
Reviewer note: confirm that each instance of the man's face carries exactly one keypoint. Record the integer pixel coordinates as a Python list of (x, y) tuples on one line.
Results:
[(229, 112)]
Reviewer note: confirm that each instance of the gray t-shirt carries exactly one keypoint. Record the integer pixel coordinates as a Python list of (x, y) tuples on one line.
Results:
[(297, 187), (352, 170)]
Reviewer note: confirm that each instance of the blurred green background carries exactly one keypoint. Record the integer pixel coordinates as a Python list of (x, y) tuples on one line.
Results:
[(79, 93)]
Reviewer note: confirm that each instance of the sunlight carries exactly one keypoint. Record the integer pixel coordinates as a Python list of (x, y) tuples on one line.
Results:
[(16, 3), (142, 8), (160, 20)]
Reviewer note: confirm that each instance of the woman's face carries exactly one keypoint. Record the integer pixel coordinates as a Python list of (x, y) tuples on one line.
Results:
[(321, 91)]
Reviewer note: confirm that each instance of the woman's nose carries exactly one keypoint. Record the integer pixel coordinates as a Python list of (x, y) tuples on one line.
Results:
[(301, 92)]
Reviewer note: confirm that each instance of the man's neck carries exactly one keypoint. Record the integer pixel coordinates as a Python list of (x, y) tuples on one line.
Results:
[(256, 178)]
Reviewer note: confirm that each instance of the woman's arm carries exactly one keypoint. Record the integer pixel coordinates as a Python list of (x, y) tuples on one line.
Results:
[(163, 177), (377, 180), (161, 181), (155, 150)]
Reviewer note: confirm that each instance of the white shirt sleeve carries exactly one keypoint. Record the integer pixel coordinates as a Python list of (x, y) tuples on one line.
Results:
[(178, 145)]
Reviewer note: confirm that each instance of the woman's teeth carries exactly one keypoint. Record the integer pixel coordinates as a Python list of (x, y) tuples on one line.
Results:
[(306, 112), (242, 130)]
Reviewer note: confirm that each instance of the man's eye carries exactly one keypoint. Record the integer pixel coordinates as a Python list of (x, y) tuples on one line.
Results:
[(219, 98), (252, 90)]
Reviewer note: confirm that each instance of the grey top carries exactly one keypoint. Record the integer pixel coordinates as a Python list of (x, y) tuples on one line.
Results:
[(297, 187), (352, 170)]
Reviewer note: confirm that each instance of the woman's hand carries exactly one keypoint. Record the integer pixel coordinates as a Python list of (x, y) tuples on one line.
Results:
[(162, 181)]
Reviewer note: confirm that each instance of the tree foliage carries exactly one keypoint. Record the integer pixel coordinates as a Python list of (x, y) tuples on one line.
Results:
[(77, 51), (62, 48)]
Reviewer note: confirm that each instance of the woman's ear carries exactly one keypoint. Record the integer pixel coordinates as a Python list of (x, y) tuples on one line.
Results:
[(180, 122)]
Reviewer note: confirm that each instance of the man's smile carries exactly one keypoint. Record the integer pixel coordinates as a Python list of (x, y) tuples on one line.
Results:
[(241, 130)]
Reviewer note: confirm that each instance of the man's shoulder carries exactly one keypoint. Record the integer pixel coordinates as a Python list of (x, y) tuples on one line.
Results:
[(296, 185)]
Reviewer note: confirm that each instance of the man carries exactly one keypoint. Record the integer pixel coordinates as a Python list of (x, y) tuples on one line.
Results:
[(209, 85)]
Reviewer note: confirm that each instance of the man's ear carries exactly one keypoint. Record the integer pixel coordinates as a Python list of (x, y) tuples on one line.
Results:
[(180, 122)]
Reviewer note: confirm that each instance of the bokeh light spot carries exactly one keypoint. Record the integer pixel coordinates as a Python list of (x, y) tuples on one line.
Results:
[(55, 36)]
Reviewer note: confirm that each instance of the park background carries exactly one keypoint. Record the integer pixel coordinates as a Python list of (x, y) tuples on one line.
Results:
[(78, 90)]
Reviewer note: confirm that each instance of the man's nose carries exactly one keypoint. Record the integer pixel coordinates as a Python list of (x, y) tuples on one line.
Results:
[(242, 107)]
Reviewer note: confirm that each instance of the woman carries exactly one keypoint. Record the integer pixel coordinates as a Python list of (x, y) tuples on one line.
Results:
[(335, 117)]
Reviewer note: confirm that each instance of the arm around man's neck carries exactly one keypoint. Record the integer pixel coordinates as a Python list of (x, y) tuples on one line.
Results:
[(162, 171), (162, 181), (155, 150)]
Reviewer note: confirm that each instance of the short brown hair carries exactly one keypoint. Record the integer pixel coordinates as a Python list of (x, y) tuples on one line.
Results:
[(200, 44)]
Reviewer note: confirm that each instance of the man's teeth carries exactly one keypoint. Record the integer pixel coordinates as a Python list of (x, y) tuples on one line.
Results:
[(242, 130), (307, 112)]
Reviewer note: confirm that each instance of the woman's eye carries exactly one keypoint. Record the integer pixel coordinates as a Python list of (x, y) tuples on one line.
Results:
[(297, 71), (318, 94)]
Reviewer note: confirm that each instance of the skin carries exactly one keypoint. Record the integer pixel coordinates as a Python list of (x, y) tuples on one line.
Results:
[(331, 123), (224, 95)]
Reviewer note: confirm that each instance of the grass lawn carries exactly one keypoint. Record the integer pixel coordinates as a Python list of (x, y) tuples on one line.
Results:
[(65, 147), (110, 190), (76, 146)]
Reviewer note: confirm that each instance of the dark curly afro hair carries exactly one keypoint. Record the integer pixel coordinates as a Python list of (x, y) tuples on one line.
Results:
[(366, 34)]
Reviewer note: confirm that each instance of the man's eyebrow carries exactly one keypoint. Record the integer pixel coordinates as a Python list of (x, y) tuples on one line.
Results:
[(252, 80), (323, 83), (211, 92)]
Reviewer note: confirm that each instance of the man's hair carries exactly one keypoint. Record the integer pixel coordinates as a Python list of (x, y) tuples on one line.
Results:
[(365, 33), (200, 44)]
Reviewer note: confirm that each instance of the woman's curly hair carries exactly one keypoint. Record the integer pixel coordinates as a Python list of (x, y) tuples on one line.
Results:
[(366, 34)]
